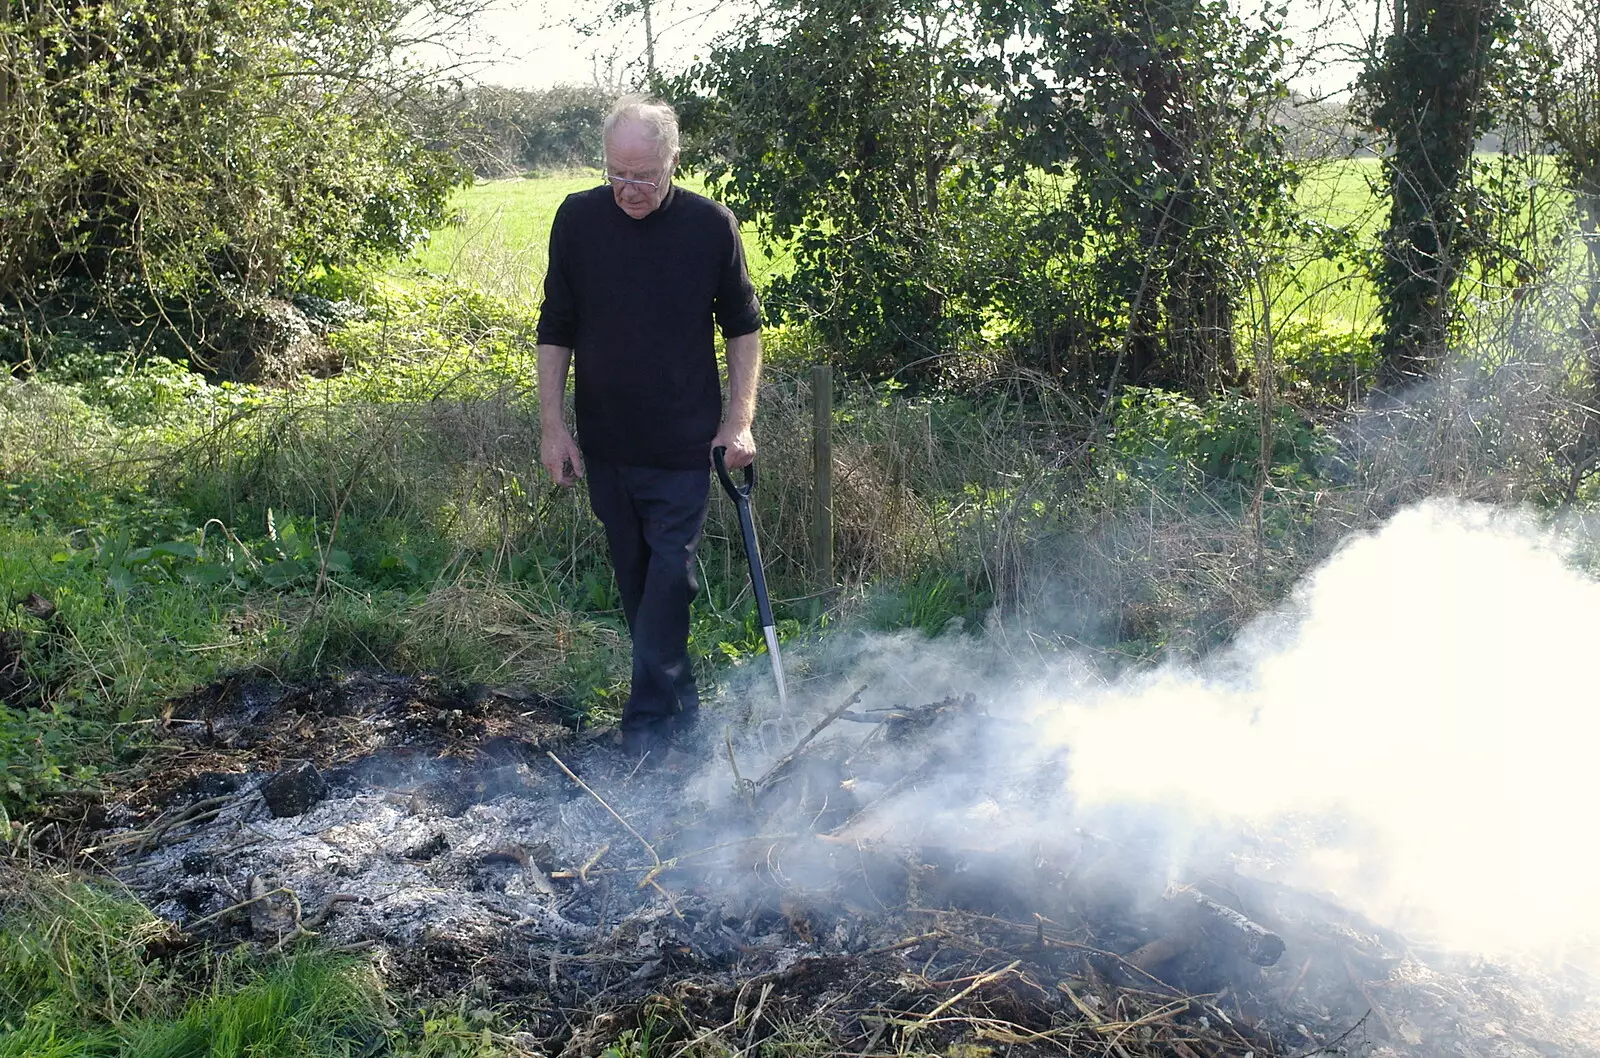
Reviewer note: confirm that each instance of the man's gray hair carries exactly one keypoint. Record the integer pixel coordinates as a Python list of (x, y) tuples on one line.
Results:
[(656, 117)]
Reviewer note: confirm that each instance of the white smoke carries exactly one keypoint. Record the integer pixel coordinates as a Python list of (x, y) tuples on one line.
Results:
[(1416, 732), (1428, 706)]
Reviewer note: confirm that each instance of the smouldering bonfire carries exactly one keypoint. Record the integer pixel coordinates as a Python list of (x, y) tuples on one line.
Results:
[(881, 886)]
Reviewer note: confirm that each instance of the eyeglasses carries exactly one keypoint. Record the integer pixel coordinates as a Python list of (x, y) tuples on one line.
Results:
[(624, 181)]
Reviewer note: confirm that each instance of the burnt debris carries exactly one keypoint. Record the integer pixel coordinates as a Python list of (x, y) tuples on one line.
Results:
[(876, 881), (294, 791)]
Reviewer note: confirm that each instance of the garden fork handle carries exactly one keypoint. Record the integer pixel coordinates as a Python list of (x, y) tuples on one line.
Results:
[(740, 494)]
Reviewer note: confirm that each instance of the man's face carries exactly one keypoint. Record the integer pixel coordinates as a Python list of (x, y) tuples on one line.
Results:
[(632, 155)]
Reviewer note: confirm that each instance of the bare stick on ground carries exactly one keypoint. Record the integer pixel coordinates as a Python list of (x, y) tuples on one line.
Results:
[(649, 879)]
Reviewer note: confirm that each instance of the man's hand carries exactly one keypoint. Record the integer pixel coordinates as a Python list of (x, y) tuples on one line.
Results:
[(740, 444), (560, 456)]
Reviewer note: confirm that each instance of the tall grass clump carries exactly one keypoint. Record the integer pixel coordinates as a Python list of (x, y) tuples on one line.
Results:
[(304, 1007), (73, 954), (82, 972)]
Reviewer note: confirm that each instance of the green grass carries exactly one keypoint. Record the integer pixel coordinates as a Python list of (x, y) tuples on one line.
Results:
[(78, 979), (499, 239), (114, 647), (307, 1007), (1339, 195), (70, 949)]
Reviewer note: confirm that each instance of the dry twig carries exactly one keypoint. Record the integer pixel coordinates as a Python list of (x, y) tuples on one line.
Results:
[(978, 982), (649, 879), (241, 905)]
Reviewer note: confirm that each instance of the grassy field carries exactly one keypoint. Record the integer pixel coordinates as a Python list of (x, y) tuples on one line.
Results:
[(498, 241), (1346, 195), (1342, 195)]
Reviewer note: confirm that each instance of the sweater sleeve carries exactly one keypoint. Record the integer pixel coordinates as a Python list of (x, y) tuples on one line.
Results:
[(558, 315), (738, 309)]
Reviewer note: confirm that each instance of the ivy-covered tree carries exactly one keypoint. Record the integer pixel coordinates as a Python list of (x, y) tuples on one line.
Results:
[(166, 148), (1427, 95)]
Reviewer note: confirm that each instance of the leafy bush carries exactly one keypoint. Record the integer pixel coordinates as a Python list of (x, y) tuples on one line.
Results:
[(134, 391), (41, 754), (855, 135), (1326, 363), (936, 190), (174, 148), (1169, 437)]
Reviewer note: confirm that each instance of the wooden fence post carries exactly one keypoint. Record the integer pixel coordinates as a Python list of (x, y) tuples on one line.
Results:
[(822, 484)]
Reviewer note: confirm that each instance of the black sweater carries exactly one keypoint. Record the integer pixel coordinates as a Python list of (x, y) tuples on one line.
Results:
[(635, 301)]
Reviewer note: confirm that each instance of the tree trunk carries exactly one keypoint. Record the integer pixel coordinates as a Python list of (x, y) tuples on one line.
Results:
[(649, 43), (1196, 297), (1431, 81)]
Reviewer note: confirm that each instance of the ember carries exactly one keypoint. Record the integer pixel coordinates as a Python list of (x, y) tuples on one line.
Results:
[(479, 841)]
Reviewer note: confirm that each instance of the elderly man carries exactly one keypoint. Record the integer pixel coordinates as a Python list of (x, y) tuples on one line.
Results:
[(640, 270)]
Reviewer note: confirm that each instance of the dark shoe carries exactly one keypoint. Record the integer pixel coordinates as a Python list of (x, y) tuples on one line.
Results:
[(643, 741), (684, 722)]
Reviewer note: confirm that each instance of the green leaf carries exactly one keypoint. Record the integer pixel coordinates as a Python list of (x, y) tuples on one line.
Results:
[(207, 573), (284, 572)]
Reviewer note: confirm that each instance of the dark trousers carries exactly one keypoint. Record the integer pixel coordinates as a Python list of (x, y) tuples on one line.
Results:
[(653, 520)]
